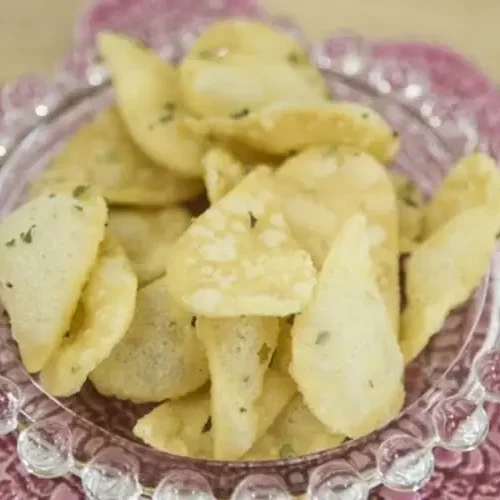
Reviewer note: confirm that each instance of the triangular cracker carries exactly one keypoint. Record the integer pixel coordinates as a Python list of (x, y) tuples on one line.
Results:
[(102, 318), (47, 250), (149, 103), (239, 258), (345, 357), (239, 352), (442, 273)]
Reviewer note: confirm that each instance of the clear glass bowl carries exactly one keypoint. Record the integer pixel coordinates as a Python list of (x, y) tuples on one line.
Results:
[(91, 435)]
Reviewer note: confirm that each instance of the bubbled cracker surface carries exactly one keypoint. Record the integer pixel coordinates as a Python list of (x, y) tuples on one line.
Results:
[(159, 357), (239, 258)]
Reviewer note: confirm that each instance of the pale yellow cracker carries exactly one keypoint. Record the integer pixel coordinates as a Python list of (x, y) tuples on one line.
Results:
[(239, 63), (149, 102), (47, 250), (221, 172), (294, 433), (224, 87), (184, 426), (443, 272), (101, 320), (102, 154), (239, 351), (147, 236), (345, 357), (282, 128), (474, 181), (322, 188), (239, 258), (159, 357)]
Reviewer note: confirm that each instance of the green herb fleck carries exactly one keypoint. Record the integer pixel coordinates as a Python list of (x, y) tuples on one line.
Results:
[(253, 219), (371, 384), (264, 352), (11, 243), (395, 134), (79, 208), (205, 54), (365, 115), (243, 410), (294, 58), (52, 195), (9, 284), (169, 106), (240, 114), (194, 319), (286, 451), (410, 202), (322, 337), (246, 379), (166, 118), (207, 426), (27, 237), (97, 59), (79, 190)]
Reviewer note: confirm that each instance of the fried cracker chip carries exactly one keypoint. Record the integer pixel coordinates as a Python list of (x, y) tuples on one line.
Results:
[(322, 188), (239, 258), (282, 128), (240, 63), (410, 212), (148, 101), (442, 273), (345, 357), (222, 172), (224, 87), (295, 432), (101, 320), (47, 250), (239, 351), (101, 154), (473, 182), (184, 427), (160, 356), (147, 236)]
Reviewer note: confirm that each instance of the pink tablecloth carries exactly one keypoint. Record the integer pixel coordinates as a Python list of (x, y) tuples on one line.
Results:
[(474, 475)]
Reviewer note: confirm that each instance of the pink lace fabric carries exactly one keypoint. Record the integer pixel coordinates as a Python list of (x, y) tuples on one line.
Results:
[(474, 475)]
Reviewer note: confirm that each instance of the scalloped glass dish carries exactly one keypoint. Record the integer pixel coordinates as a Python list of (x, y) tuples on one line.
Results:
[(91, 435)]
